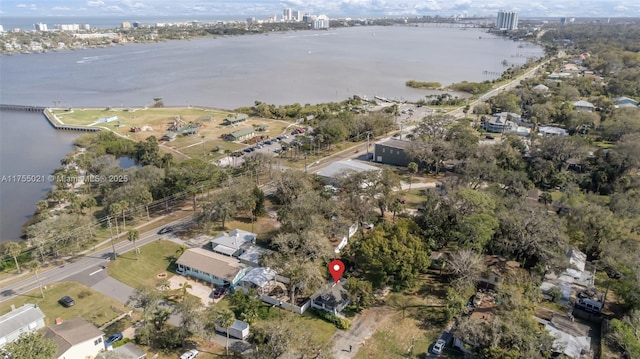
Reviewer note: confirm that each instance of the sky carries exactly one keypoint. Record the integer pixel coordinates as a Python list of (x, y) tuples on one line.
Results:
[(352, 8)]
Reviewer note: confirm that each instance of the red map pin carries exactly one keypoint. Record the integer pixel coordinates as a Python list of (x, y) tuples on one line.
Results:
[(336, 268)]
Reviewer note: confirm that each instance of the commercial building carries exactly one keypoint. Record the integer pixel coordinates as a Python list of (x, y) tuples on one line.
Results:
[(392, 151), (507, 20), (40, 27), (287, 14)]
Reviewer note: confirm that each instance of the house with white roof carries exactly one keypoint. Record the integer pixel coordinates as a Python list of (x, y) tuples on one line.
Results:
[(25, 319), (234, 243), (584, 106), (551, 131), (335, 170)]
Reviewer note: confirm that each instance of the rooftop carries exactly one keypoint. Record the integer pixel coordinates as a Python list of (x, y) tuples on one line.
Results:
[(260, 276), (230, 243), (345, 166), (583, 103), (253, 254), (127, 351), (71, 332), (395, 143), (209, 262), (19, 318)]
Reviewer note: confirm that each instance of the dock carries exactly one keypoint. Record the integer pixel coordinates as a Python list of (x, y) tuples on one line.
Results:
[(51, 118)]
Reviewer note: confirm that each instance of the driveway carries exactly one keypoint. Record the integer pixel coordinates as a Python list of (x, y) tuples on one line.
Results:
[(97, 279), (347, 343)]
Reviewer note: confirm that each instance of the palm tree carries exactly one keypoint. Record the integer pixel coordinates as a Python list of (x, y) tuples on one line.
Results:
[(14, 249), (413, 169), (124, 205), (184, 287), (181, 250), (546, 199), (34, 266), (224, 319), (133, 236), (114, 210)]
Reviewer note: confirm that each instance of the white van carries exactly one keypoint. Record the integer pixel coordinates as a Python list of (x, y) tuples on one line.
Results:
[(190, 354)]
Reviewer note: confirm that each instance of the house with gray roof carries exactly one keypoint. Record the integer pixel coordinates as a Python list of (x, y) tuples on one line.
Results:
[(75, 338), (127, 351), (211, 267), (625, 102), (25, 319), (234, 243), (551, 131), (235, 119), (332, 298), (584, 106)]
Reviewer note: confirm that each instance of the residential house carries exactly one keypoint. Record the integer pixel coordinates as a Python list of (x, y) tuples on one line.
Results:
[(540, 88), (169, 136), (25, 319), (241, 135), (584, 106), (625, 102), (551, 131), (235, 119), (127, 351), (334, 171), (331, 298), (233, 243), (252, 255), (75, 338), (578, 276), (502, 122), (571, 337), (392, 151), (262, 279), (211, 267), (497, 269)]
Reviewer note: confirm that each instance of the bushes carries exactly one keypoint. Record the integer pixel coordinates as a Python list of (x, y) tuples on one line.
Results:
[(340, 323)]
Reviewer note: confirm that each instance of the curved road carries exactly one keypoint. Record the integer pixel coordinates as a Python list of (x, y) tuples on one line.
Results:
[(90, 261)]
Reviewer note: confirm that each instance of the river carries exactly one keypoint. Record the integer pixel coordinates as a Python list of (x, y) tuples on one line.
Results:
[(280, 68)]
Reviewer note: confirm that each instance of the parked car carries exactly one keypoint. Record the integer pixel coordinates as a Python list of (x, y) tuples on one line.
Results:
[(489, 137), (189, 354), (219, 292), (164, 230), (367, 225), (113, 338), (66, 301), (438, 347)]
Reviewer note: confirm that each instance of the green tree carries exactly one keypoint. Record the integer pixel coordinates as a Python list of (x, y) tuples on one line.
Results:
[(359, 292), (133, 236), (412, 167), (34, 266), (14, 249), (225, 319), (32, 346)]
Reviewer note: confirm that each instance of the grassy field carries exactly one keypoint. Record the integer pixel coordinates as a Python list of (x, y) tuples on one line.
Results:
[(155, 258), (419, 325), (159, 120), (90, 305)]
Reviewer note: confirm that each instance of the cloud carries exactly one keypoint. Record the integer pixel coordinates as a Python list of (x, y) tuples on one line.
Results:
[(95, 3), (61, 8)]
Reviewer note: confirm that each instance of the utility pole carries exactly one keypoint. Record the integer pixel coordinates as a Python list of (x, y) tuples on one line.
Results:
[(203, 154), (368, 134), (113, 246), (305, 163)]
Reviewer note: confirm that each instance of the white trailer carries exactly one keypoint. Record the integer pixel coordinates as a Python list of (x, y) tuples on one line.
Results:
[(239, 330)]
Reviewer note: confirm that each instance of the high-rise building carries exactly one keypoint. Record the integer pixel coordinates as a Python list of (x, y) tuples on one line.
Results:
[(40, 27), (321, 22), (125, 25), (287, 14), (507, 20), (296, 16)]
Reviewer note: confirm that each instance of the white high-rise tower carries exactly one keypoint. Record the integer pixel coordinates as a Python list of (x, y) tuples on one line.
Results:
[(507, 20)]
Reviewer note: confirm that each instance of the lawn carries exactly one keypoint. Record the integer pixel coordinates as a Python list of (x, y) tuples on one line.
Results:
[(419, 326), (155, 258), (90, 305), (159, 120)]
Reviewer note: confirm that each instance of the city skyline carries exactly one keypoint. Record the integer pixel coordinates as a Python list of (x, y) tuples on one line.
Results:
[(536, 8)]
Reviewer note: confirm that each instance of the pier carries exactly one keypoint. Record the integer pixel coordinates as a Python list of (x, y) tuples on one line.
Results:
[(51, 118)]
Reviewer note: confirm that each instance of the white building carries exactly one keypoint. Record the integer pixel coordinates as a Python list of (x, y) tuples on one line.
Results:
[(25, 319), (40, 27), (321, 22), (234, 243), (296, 16), (67, 27), (287, 15), (75, 338), (507, 20), (1, 28)]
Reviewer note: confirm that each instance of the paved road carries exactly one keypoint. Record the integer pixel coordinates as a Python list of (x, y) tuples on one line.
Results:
[(82, 266)]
